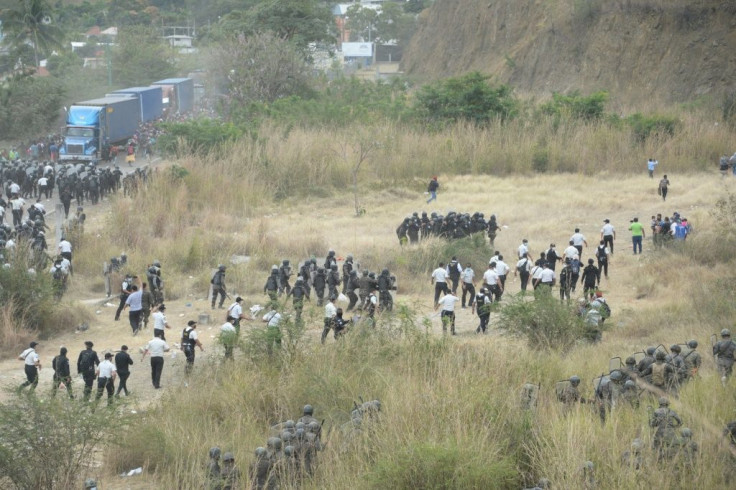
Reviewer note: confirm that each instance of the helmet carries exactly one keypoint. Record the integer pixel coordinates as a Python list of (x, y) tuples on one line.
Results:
[(313, 427), (651, 351), (215, 453), (299, 279), (89, 483), (299, 425), (289, 451), (285, 262), (333, 267), (636, 444), (313, 260), (289, 424), (725, 332), (543, 483), (273, 443), (365, 272), (320, 270), (676, 348), (308, 410), (261, 452), (630, 383), (686, 433), (664, 402), (299, 434), (384, 272), (274, 268), (575, 380), (221, 268), (350, 256), (330, 253), (630, 361), (156, 263), (286, 436), (616, 375), (228, 457), (693, 344), (660, 356)]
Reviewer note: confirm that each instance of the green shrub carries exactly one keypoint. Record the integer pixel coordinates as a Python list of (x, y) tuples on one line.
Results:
[(51, 443), (546, 323), (540, 160), (645, 126), (199, 136), (468, 98), (435, 466), (576, 106)]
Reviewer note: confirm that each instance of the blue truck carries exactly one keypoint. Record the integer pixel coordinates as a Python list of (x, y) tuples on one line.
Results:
[(94, 126), (178, 95), (149, 98)]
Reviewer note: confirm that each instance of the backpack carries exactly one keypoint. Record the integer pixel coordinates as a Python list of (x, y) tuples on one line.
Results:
[(86, 364), (575, 267), (658, 374), (522, 268), (605, 310), (600, 253), (58, 273)]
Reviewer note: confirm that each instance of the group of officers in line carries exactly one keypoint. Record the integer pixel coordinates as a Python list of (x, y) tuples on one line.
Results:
[(290, 454), (453, 226)]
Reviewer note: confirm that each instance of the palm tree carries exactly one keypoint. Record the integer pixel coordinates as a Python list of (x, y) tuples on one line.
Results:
[(31, 23)]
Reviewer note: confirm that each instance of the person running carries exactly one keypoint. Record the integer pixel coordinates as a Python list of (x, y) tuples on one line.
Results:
[(447, 315), (32, 366), (432, 189), (439, 279), (608, 234)]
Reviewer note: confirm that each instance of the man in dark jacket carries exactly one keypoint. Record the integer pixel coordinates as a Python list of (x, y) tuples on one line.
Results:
[(86, 364), (122, 363), (62, 374)]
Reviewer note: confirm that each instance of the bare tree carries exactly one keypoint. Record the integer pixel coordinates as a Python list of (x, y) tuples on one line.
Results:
[(355, 153)]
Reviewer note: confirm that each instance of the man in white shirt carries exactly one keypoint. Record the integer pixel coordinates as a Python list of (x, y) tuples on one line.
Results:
[(492, 282), (65, 249), (439, 279), (578, 240), (235, 313), (330, 314), (502, 269), (228, 337), (571, 251), (106, 373), (523, 248), (16, 204), (547, 278), (536, 273), (273, 332), (160, 322), (447, 314), (32, 366), (523, 269), (43, 183), (467, 279), (156, 347), (608, 234)]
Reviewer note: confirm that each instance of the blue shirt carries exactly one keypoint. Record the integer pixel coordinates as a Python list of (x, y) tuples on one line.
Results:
[(135, 301)]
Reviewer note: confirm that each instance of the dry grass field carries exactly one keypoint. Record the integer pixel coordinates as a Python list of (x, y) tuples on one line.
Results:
[(451, 414)]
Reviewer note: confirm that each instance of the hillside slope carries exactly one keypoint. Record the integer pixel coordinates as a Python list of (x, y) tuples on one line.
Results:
[(637, 49)]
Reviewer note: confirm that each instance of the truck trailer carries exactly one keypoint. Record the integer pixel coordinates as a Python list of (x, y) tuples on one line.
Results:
[(149, 98), (178, 95), (94, 126)]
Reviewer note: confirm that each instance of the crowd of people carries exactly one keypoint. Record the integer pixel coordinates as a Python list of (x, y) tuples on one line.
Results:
[(453, 226), (657, 373)]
